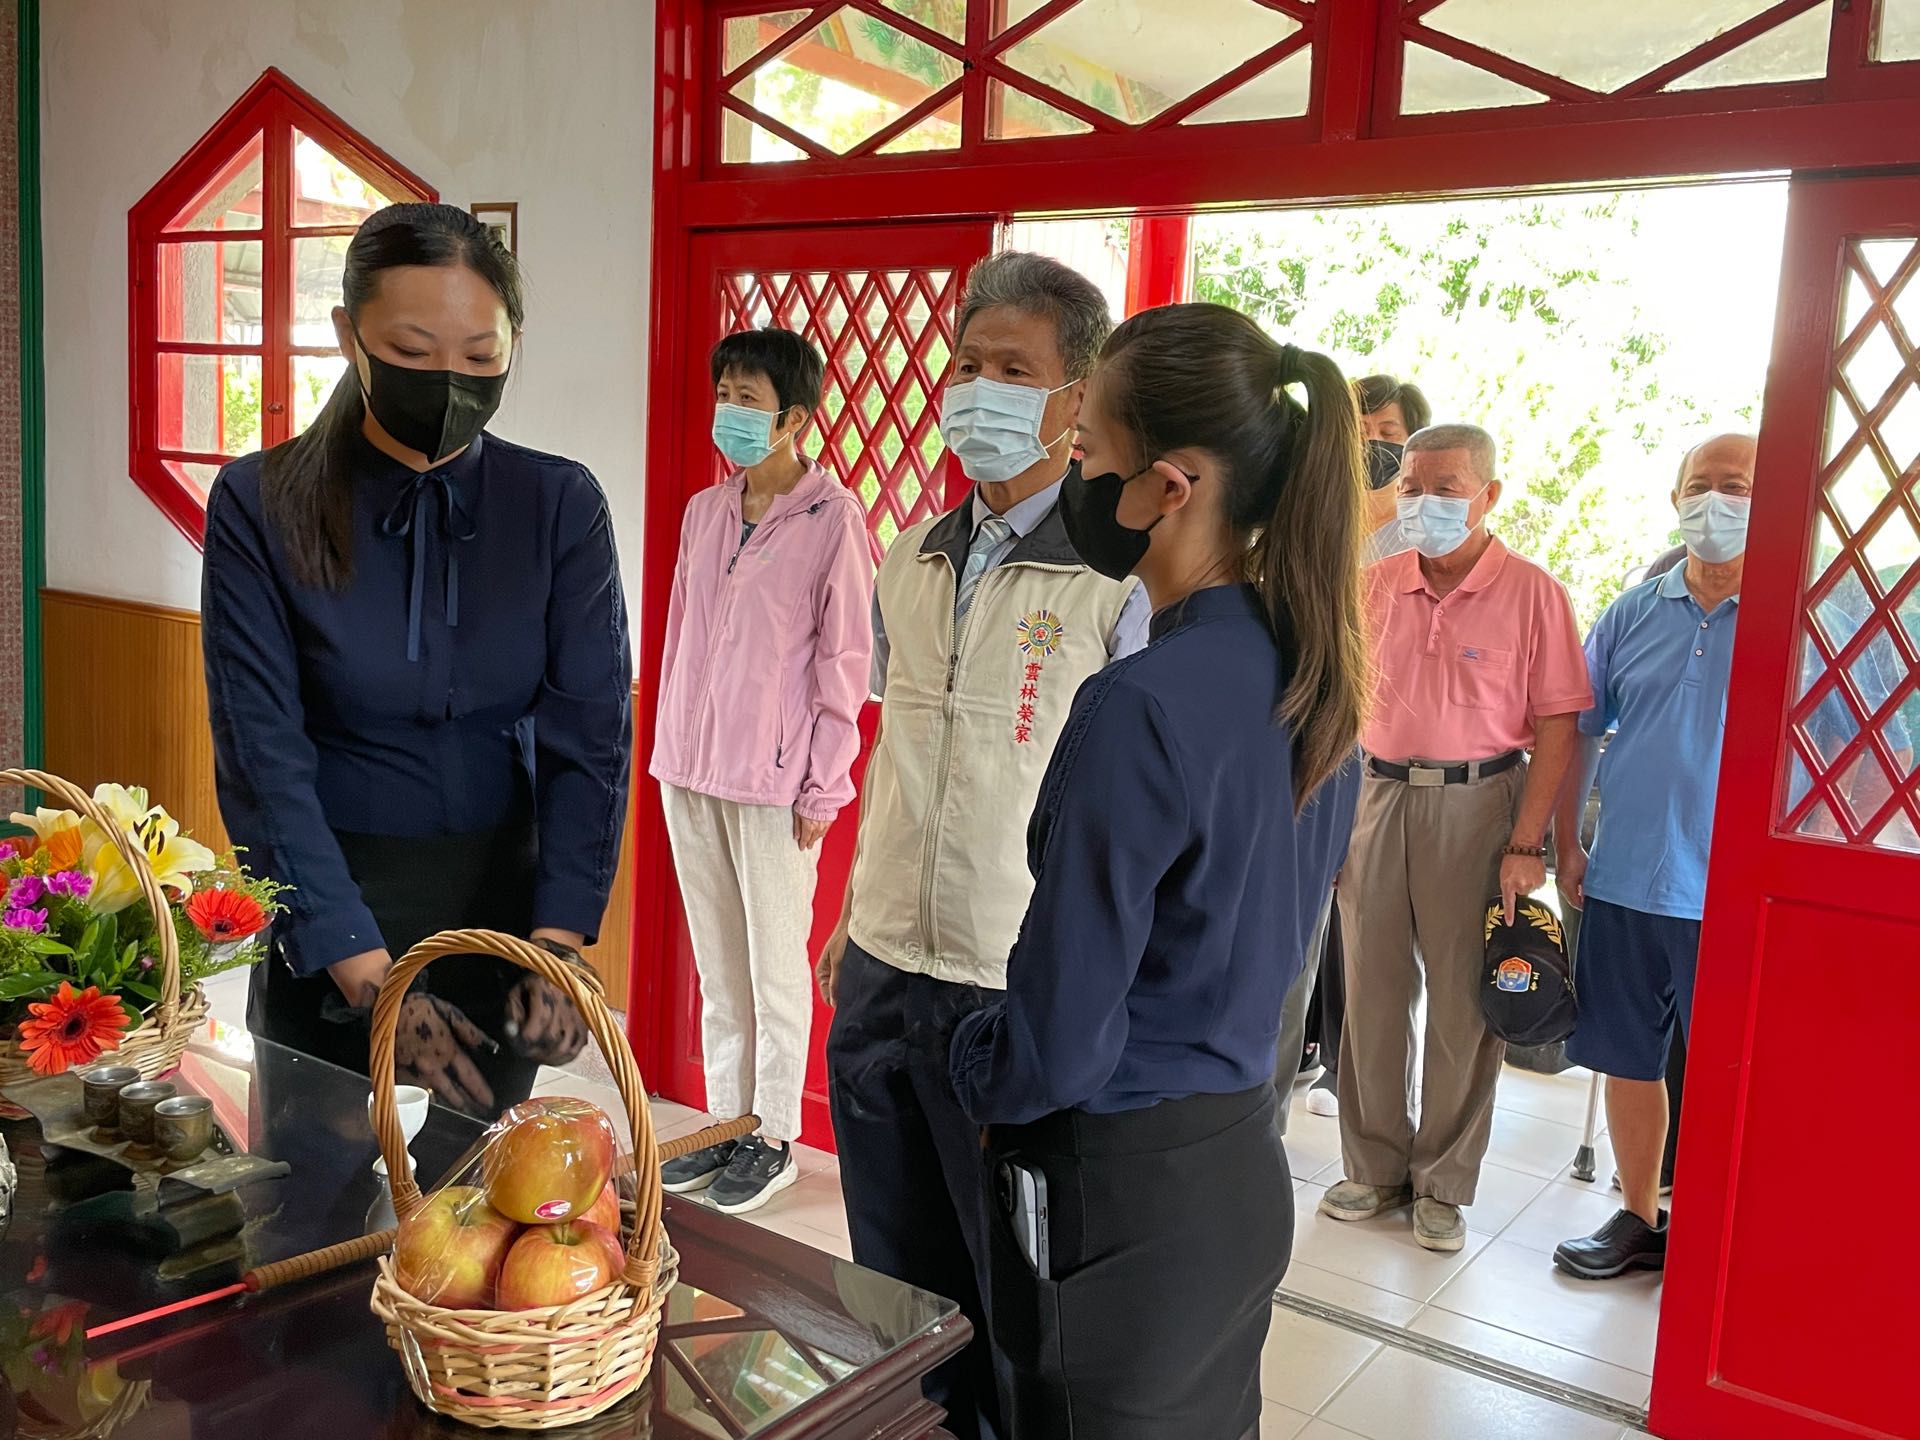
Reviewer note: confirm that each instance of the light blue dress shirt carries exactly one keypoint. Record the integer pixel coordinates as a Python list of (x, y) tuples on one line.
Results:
[(1130, 632), (1659, 665)]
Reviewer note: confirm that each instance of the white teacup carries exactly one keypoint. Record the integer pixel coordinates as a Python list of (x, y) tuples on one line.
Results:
[(412, 1102)]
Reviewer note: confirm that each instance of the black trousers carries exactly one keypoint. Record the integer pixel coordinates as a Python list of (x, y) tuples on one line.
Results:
[(417, 888), (1327, 1011), (1169, 1230), (910, 1172)]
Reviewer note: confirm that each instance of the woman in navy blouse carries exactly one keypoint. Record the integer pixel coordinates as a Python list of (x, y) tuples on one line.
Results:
[(1191, 822), (417, 664)]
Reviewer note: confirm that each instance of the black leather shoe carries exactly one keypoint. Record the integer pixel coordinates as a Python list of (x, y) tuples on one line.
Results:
[(1626, 1242)]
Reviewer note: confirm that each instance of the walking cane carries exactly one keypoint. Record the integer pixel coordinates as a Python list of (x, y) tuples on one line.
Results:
[(1583, 1163)]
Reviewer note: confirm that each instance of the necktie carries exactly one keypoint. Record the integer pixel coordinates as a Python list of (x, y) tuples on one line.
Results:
[(992, 534)]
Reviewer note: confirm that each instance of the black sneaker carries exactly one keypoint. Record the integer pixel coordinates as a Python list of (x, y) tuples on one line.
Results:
[(698, 1170), (1624, 1243), (757, 1172)]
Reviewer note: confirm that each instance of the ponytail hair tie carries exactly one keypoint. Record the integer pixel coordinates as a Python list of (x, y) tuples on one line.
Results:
[(1289, 370)]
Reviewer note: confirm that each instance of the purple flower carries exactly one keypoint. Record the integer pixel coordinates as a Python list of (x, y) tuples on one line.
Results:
[(27, 890), (6, 850), (24, 919), (70, 882)]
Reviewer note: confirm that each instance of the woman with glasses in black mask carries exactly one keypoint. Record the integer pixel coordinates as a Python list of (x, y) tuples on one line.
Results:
[(418, 671), (1183, 846)]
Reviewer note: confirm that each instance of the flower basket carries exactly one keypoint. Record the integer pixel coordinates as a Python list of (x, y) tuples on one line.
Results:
[(129, 1400), (48, 1388), (155, 1045), (531, 1369)]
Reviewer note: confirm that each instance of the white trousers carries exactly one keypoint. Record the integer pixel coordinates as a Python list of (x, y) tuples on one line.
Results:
[(748, 893)]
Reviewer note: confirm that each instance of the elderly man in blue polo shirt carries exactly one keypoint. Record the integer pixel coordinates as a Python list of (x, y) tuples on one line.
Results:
[(1659, 659)]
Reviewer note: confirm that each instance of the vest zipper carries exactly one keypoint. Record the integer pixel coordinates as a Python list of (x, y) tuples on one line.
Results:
[(943, 763)]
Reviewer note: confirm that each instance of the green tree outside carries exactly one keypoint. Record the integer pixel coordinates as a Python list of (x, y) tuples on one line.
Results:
[(1524, 316)]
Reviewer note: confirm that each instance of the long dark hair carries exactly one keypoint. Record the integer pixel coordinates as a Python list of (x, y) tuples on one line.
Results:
[(1207, 378), (306, 485)]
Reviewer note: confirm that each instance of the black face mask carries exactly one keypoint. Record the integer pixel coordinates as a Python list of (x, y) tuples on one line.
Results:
[(437, 412), (1089, 509), (1384, 459)]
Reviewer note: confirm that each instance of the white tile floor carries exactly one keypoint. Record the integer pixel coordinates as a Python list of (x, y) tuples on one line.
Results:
[(1498, 1297)]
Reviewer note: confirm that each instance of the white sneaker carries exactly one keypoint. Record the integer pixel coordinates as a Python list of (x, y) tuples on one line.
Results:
[(1323, 1102)]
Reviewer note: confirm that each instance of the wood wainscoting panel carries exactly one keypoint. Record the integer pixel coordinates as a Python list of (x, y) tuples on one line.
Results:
[(126, 700)]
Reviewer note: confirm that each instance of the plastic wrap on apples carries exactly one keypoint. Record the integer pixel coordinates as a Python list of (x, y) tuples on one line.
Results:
[(534, 1222)]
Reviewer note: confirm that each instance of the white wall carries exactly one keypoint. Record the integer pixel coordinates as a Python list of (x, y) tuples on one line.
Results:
[(544, 102)]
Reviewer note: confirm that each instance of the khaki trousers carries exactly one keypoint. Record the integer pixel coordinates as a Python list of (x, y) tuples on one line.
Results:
[(747, 889), (1424, 865)]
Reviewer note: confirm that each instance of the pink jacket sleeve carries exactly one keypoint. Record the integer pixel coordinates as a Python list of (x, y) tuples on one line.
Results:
[(842, 657), (676, 618)]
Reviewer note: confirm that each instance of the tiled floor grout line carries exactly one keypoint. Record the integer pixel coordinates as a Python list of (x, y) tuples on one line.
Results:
[(1572, 1397)]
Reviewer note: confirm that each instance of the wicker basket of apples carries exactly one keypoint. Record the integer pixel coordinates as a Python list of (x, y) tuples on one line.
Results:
[(524, 1299)]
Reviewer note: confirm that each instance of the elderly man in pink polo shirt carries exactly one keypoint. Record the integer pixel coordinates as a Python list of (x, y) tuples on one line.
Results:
[(1479, 663)]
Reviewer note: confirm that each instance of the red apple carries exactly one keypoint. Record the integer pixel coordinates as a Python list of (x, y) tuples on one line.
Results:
[(550, 1160), (553, 1264), (605, 1211), (449, 1252)]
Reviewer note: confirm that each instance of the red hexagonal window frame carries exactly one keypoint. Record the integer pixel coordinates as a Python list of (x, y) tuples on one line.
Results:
[(229, 259)]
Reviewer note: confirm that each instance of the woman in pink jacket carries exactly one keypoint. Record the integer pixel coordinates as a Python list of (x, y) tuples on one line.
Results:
[(768, 642)]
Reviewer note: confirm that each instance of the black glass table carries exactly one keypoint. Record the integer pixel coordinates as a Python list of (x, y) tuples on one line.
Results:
[(764, 1337)]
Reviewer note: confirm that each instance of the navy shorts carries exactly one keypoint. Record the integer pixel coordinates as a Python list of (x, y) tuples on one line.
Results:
[(1634, 977)]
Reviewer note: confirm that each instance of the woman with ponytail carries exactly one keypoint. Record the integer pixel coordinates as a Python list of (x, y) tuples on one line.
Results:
[(418, 675), (1185, 840)]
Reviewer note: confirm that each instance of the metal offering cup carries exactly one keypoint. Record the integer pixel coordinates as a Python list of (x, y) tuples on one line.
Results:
[(137, 1103), (183, 1127), (100, 1090)]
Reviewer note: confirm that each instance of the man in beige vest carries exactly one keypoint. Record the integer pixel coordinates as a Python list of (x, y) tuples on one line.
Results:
[(985, 624)]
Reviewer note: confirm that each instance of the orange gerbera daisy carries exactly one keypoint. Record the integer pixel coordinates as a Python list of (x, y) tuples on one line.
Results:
[(226, 915), (71, 1029)]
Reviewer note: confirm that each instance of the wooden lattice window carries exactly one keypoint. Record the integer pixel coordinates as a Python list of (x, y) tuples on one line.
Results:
[(890, 77), (888, 340), (1493, 54), (235, 261), (1855, 723)]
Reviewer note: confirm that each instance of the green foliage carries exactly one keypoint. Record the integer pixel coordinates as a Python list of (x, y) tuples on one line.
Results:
[(120, 952), (1519, 315), (242, 410)]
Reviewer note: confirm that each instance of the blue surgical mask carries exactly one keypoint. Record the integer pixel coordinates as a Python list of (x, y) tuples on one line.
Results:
[(1435, 525), (744, 435), (1715, 525), (994, 428)]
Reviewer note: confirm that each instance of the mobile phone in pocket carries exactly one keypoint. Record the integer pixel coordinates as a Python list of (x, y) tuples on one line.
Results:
[(1023, 1198)]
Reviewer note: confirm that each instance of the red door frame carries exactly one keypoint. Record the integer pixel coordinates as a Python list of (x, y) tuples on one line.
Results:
[(1795, 926), (673, 1038), (1352, 147)]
